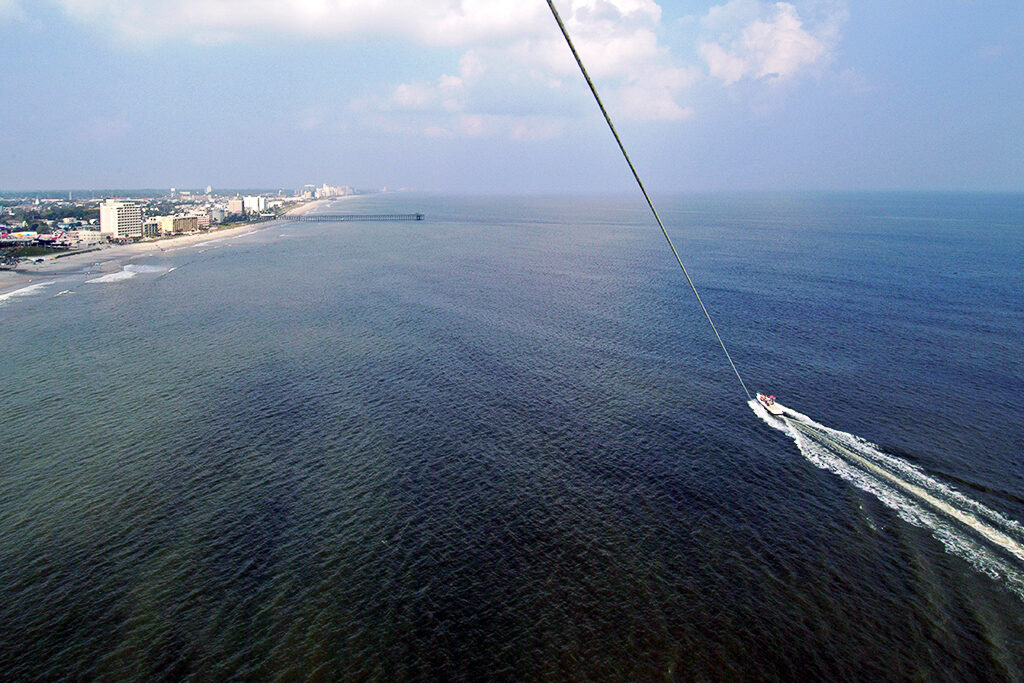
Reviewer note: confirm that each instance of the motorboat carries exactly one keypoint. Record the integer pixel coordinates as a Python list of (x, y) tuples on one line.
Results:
[(769, 404)]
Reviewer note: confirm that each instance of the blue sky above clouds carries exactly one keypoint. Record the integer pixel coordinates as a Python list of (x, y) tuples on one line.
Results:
[(482, 95)]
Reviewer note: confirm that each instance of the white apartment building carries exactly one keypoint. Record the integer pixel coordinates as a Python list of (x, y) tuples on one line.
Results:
[(254, 204), (121, 220)]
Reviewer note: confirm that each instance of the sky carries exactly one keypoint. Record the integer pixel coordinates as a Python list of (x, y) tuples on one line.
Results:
[(482, 96)]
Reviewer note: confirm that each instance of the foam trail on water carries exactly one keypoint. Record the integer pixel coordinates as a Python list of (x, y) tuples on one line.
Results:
[(988, 540), (913, 475)]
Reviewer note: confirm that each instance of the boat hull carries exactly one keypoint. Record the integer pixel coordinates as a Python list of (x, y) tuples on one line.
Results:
[(770, 405)]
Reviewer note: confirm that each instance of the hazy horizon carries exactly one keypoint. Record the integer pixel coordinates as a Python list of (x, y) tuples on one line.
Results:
[(155, 192), (146, 193)]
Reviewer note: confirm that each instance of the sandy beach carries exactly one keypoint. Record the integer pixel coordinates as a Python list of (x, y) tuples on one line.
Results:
[(111, 257)]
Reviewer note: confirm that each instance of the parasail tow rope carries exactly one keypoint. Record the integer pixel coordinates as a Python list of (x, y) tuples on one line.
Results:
[(640, 183)]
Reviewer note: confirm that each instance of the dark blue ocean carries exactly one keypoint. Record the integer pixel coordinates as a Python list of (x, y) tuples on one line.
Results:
[(503, 444)]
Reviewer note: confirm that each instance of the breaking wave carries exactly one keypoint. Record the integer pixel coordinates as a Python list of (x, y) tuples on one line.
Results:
[(127, 273), (24, 291)]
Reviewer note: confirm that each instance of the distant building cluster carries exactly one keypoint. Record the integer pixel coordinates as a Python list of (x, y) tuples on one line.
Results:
[(124, 220), (325, 191)]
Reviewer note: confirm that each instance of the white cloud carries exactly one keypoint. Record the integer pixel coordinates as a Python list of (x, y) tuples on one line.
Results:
[(756, 40), (412, 96), (310, 118), (522, 128), (471, 66), (643, 104), (509, 45), (722, 64), (517, 88), (446, 22), (10, 10), (514, 63)]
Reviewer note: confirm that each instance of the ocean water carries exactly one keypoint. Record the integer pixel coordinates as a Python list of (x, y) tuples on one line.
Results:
[(503, 444)]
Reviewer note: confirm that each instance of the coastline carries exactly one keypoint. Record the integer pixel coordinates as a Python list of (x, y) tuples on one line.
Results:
[(109, 258)]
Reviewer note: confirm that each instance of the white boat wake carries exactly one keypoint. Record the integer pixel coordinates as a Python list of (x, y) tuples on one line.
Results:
[(992, 543)]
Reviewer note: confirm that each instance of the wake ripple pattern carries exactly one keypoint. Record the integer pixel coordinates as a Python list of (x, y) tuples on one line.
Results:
[(992, 543)]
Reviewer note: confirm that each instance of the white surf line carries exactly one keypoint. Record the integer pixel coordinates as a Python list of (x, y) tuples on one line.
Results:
[(27, 290), (993, 535)]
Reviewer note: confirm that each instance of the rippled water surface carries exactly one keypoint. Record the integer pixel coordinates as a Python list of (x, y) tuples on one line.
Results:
[(503, 444)]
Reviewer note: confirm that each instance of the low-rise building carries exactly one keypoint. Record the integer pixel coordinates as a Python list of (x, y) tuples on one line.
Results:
[(87, 237), (22, 236), (75, 239), (177, 225)]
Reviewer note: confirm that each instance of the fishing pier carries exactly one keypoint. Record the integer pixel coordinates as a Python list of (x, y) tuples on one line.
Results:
[(352, 217)]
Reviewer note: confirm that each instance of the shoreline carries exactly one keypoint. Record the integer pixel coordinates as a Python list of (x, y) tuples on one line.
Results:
[(109, 256)]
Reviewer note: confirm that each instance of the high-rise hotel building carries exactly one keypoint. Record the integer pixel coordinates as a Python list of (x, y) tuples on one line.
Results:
[(121, 220)]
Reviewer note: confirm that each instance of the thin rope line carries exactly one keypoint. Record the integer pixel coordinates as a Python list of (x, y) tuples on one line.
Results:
[(640, 183)]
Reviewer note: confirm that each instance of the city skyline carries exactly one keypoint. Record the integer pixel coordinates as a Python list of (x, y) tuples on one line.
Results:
[(482, 96)]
